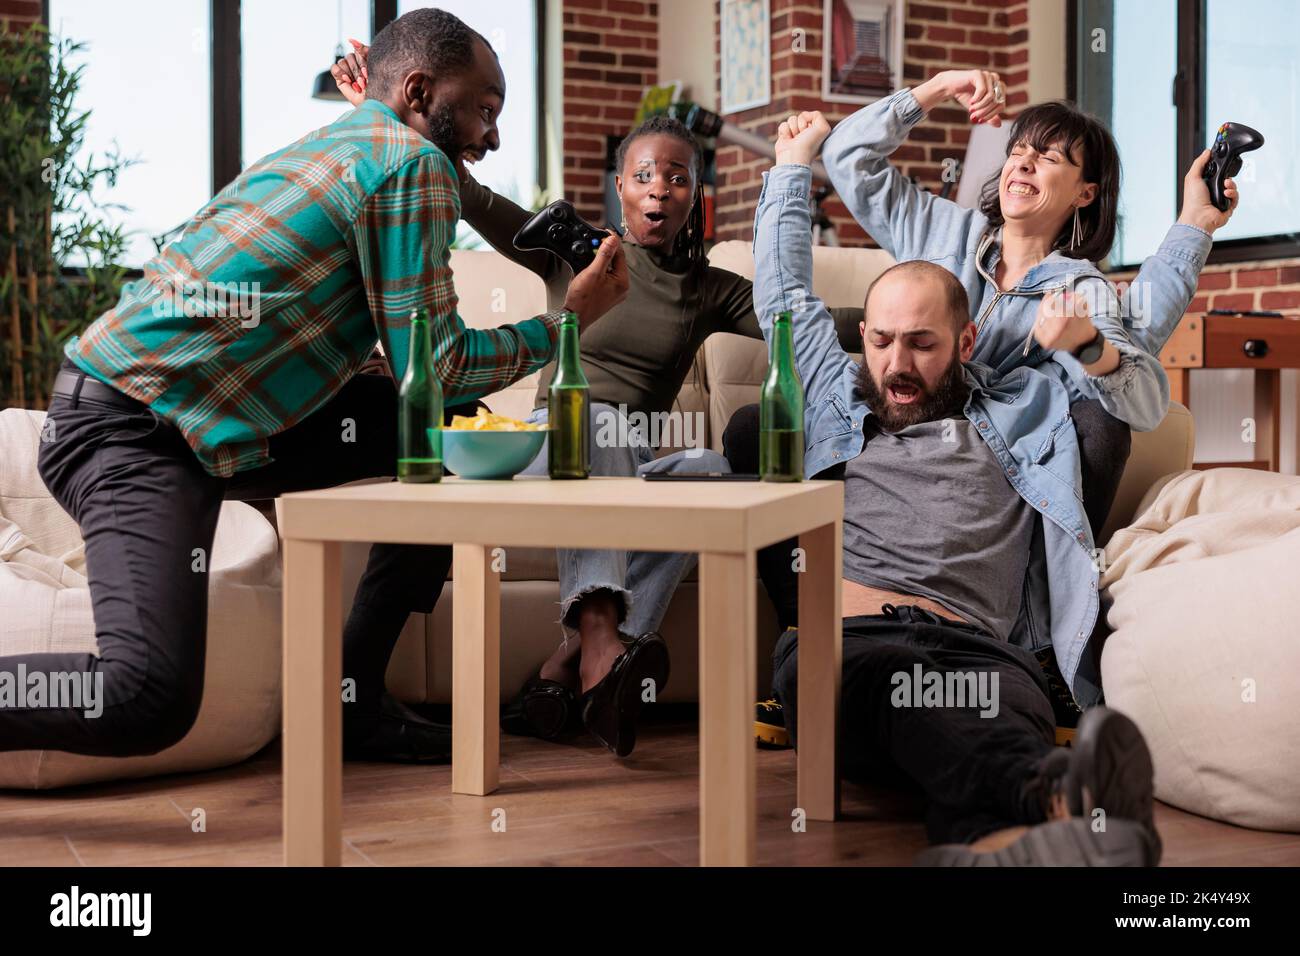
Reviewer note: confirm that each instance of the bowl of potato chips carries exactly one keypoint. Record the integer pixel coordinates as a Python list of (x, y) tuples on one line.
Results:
[(490, 446)]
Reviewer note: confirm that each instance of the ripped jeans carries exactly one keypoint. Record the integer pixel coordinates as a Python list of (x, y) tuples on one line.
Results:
[(643, 582)]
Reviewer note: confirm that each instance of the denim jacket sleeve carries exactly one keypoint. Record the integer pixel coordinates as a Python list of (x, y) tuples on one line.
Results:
[(1139, 323), (906, 221), (1137, 391), (1155, 302), (783, 280)]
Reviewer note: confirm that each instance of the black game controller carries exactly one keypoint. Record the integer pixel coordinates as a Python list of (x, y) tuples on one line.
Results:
[(1232, 140), (558, 229)]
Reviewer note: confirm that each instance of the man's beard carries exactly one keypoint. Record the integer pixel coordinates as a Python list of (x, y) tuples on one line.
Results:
[(442, 133), (948, 395)]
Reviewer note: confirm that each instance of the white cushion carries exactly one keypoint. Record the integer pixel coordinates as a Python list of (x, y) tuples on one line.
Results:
[(1204, 655), (45, 606)]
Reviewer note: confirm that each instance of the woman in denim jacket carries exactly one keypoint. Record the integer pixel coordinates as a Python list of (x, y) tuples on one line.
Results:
[(1026, 255)]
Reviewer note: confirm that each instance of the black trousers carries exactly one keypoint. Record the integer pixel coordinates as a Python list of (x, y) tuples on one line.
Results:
[(978, 773), (148, 513), (1104, 446)]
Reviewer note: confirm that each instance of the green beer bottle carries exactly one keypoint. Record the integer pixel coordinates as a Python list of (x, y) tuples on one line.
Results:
[(419, 409), (569, 409), (780, 410)]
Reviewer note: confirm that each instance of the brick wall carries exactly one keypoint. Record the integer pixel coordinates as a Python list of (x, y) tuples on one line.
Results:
[(19, 13), (938, 35), (1273, 286), (611, 54)]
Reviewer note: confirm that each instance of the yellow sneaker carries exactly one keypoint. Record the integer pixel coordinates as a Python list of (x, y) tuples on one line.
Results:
[(769, 725)]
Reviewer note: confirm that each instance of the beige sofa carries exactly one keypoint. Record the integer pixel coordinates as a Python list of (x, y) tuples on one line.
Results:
[(726, 378)]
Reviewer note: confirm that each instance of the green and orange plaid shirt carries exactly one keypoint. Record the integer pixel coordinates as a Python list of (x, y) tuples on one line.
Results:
[(277, 290)]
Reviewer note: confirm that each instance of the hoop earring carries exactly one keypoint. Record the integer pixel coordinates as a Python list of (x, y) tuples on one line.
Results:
[(1077, 235)]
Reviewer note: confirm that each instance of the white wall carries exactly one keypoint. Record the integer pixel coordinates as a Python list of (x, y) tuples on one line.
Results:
[(686, 48), (553, 115), (1046, 50), (1221, 398)]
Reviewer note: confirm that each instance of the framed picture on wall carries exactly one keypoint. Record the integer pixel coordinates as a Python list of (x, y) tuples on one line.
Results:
[(746, 55), (862, 56)]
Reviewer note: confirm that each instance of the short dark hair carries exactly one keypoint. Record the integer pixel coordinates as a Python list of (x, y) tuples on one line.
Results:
[(917, 269), (431, 40), (1061, 124)]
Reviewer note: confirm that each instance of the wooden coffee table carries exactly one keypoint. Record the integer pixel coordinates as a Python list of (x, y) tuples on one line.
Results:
[(725, 522)]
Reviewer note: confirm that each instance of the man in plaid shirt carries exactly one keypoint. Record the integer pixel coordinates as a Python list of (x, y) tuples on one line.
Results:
[(230, 371)]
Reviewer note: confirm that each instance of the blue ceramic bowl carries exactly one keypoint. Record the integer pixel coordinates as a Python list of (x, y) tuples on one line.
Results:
[(472, 454)]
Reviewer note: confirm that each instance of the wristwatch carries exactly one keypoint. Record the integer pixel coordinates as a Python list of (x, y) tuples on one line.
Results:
[(1090, 351)]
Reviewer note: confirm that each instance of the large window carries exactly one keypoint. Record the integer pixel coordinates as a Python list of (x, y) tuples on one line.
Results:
[(285, 44), (199, 89), (146, 83), (1251, 58), (1145, 125), (1165, 74)]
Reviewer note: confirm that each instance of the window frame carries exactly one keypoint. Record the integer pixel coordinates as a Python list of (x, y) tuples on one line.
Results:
[(1188, 94)]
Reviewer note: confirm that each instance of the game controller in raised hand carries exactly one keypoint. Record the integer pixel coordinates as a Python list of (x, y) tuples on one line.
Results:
[(1232, 140), (558, 228)]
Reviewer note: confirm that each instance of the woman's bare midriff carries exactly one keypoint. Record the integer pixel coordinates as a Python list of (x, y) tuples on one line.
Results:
[(858, 599)]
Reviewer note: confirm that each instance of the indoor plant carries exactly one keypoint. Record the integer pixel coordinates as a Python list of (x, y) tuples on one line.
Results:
[(60, 259)]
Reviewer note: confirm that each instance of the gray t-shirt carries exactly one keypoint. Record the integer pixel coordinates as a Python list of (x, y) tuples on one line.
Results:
[(928, 511)]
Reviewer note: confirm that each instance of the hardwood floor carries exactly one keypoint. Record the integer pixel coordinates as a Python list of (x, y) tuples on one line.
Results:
[(559, 805)]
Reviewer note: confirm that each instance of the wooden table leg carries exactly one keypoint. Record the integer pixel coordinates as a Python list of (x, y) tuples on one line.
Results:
[(820, 662), (313, 744), (728, 675), (1268, 408), (476, 671)]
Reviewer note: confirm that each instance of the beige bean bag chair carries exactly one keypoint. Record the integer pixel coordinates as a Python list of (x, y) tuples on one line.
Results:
[(45, 606), (1205, 654)]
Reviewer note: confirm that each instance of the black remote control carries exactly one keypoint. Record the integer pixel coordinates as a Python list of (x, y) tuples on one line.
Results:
[(558, 228), (1232, 140)]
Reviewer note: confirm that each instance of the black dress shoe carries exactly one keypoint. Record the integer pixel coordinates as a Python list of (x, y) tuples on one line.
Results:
[(542, 708), (395, 734), (610, 709)]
